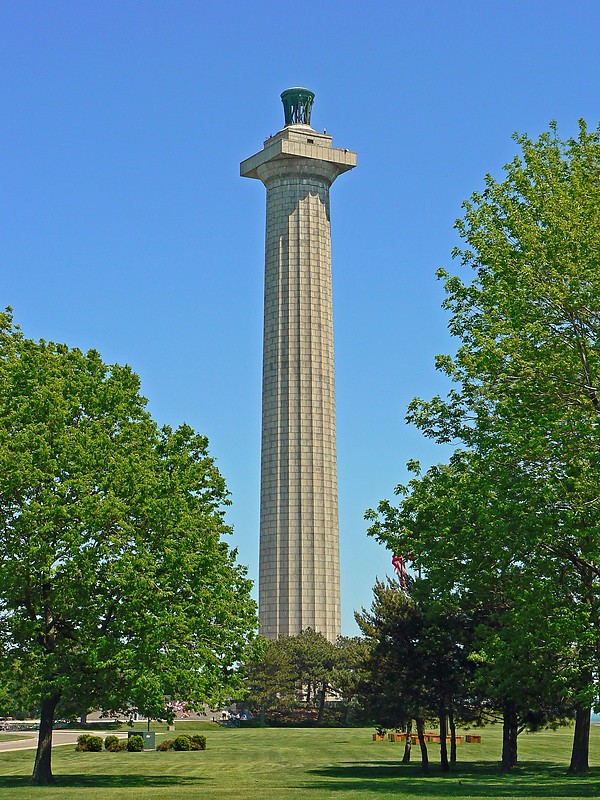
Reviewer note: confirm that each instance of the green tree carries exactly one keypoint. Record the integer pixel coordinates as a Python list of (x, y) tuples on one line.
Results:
[(115, 581), (314, 658), (418, 661), (445, 646), (394, 686), (299, 672), (519, 674), (270, 678), (348, 673), (467, 531), (527, 373)]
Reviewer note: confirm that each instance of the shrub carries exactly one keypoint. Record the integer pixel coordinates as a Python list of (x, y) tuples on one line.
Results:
[(182, 742), (95, 744), (89, 743), (110, 741), (135, 744), (118, 746), (198, 741), (165, 745), (82, 741)]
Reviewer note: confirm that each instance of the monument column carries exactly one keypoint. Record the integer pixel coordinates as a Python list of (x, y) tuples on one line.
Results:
[(299, 574)]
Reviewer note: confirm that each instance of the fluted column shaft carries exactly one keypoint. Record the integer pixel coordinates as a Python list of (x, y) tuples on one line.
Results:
[(299, 583)]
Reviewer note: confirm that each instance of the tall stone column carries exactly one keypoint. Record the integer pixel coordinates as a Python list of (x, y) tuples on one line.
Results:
[(299, 572)]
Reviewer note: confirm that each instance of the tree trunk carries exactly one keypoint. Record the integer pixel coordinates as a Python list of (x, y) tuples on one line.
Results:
[(421, 734), (346, 714), (452, 738), (443, 744), (581, 742), (581, 738), (42, 769), (407, 743), (322, 703), (509, 736)]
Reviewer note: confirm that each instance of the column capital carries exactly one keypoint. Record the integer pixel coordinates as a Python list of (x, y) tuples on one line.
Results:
[(284, 169), (298, 142)]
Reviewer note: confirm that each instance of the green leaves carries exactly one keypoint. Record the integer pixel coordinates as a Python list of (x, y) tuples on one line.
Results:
[(115, 581), (513, 520)]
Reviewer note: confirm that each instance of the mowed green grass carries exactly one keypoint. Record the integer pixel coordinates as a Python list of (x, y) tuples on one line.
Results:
[(11, 737), (305, 764)]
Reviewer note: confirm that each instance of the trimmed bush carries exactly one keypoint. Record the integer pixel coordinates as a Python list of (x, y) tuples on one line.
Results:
[(88, 743), (198, 741), (120, 745), (182, 742), (110, 741), (95, 744), (82, 742), (135, 744), (167, 744)]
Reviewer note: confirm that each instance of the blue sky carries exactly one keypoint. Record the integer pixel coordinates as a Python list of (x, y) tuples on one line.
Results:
[(124, 224)]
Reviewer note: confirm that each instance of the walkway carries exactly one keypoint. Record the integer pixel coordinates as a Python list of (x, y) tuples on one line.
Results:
[(58, 738)]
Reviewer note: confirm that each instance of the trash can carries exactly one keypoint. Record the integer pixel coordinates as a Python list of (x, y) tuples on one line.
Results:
[(147, 736)]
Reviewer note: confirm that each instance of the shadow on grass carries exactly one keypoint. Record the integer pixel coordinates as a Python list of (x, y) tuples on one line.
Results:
[(104, 781), (478, 779)]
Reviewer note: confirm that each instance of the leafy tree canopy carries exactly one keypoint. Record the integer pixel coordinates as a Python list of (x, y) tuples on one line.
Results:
[(115, 582), (516, 515)]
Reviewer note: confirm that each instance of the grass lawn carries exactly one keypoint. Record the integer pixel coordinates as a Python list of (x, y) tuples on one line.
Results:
[(12, 737), (304, 764)]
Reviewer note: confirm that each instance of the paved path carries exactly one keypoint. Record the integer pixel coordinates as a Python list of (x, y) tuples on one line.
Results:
[(58, 738)]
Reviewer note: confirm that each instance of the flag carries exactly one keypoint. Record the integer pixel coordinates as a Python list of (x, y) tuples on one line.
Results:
[(400, 569)]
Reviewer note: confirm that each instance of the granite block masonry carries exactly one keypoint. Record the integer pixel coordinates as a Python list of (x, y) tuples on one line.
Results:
[(299, 566)]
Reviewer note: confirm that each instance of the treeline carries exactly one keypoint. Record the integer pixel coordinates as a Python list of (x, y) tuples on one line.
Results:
[(446, 660), (292, 678), (507, 534), (423, 659)]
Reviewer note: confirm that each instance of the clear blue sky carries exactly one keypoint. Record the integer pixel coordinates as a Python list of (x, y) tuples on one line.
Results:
[(125, 225)]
